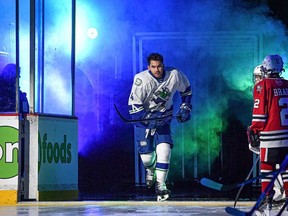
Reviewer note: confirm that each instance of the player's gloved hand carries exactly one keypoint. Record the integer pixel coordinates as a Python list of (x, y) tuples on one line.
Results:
[(183, 114), (253, 138), (256, 150)]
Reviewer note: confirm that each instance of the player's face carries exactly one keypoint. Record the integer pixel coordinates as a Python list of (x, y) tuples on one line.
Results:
[(257, 79), (156, 68)]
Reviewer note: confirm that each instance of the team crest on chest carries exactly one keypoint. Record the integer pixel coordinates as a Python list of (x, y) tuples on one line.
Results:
[(259, 88), (163, 93)]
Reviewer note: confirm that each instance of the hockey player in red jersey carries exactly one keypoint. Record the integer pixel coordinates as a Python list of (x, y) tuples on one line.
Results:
[(269, 127), (279, 196)]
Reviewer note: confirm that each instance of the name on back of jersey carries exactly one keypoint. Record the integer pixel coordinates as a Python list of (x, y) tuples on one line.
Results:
[(280, 91)]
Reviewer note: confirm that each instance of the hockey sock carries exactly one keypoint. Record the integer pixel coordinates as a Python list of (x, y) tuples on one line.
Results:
[(163, 152), (266, 168)]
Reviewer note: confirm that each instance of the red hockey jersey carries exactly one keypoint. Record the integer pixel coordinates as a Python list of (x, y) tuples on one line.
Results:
[(270, 112)]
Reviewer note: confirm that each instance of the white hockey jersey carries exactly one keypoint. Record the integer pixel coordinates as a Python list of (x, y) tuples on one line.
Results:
[(156, 95)]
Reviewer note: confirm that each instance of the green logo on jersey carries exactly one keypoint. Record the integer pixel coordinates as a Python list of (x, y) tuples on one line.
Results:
[(8, 152), (163, 93)]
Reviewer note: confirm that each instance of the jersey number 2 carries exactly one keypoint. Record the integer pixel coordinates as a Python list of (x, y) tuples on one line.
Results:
[(283, 102), (256, 103)]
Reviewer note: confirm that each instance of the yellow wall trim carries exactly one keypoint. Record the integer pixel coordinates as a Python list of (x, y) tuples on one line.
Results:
[(8, 197)]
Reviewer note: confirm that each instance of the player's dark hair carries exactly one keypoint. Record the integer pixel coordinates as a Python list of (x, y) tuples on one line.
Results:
[(154, 57)]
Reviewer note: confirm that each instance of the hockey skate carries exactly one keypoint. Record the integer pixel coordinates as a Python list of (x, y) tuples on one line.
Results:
[(150, 177), (162, 192), (265, 207), (279, 197)]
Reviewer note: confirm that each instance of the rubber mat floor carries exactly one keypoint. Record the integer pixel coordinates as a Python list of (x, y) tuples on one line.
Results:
[(127, 208)]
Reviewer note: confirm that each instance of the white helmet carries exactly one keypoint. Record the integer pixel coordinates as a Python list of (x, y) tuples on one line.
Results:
[(273, 64), (258, 74), (258, 71)]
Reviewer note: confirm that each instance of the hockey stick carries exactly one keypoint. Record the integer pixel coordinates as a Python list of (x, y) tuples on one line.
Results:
[(221, 187), (141, 120), (237, 212), (247, 178)]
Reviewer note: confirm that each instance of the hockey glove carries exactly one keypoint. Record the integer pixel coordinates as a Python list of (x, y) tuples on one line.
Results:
[(256, 150), (253, 138), (183, 114)]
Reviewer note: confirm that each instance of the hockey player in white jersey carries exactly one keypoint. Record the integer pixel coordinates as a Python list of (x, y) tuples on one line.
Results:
[(152, 97)]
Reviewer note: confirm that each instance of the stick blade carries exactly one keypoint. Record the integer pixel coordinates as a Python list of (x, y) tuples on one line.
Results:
[(216, 185), (211, 184), (235, 211)]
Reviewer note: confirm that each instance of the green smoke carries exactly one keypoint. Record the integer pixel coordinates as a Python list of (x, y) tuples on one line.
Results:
[(198, 143)]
